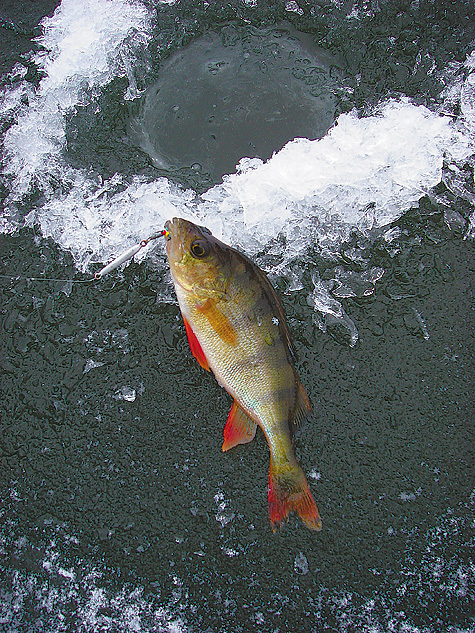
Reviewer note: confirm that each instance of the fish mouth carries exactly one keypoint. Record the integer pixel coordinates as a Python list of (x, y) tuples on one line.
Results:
[(175, 239), (180, 231), (174, 227), (169, 227)]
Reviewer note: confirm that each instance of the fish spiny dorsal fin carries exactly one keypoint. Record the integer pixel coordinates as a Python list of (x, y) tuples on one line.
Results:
[(239, 429), (195, 346), (275, 302)]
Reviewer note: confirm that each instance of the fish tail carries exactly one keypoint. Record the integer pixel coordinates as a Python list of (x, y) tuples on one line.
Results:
[(289, 492)]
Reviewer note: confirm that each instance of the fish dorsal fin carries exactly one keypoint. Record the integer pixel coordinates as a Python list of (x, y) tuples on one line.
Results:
[(196, 348), (302, 406), (239, 429), (219, 321), (276, 304)]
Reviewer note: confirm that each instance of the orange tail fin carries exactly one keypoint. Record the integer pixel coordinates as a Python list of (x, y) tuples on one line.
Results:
[(289, 492)]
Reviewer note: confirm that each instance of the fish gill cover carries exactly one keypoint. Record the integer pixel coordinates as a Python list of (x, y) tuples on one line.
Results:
[(328, 218)]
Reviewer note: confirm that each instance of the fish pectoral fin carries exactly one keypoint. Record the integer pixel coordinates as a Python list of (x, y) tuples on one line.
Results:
[(239, 429), (195, 346), (219, 321)]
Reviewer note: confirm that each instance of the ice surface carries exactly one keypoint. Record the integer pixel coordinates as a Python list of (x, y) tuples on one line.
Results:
[(59, 586), (363, 174)]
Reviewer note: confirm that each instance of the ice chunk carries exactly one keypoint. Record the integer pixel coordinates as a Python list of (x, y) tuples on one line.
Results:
[(125, 393), (331, 309), (301, 564), (353, 284), (224, 514), (91, 364)]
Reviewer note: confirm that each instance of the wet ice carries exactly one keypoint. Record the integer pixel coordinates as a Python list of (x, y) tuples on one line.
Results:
[(95, 219)]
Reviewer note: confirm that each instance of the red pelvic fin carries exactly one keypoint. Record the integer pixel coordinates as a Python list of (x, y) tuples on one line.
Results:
[(239, 429), (196, 348), (289, 492)]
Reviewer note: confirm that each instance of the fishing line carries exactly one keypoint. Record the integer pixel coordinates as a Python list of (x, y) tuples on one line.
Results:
[(128, 254), (21, 278)]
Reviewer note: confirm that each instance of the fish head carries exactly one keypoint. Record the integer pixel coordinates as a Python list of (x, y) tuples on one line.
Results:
[(198, 261)]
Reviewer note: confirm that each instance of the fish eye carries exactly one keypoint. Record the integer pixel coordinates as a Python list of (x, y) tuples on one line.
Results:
[(199, 248)]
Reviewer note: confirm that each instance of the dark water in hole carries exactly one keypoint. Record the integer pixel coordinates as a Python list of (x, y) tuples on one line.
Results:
[(119, 512), (236, 93)]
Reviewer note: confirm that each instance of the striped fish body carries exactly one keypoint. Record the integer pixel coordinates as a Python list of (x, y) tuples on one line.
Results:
[(236, 327)]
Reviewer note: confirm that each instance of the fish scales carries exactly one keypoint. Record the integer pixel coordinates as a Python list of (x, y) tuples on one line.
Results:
[(236, 328), (256, 367)]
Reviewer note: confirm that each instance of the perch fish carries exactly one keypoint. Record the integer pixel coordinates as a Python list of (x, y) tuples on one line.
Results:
[(236, 327)]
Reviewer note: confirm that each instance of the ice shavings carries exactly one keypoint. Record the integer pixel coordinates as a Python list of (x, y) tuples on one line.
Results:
[(470, 233), (459, 98), (467, 99), (363, 174), (95, 224), (84, 39), (46, 594), (467, 92), (388, 160), (85, 45), (467, 106)]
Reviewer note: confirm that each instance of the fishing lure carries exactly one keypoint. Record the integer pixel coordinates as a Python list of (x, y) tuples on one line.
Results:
[(128, 254)]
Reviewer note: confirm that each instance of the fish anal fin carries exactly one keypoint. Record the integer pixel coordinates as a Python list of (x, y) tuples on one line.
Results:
[(289, 492), (195, 346), (239, 429), (219, 322)]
